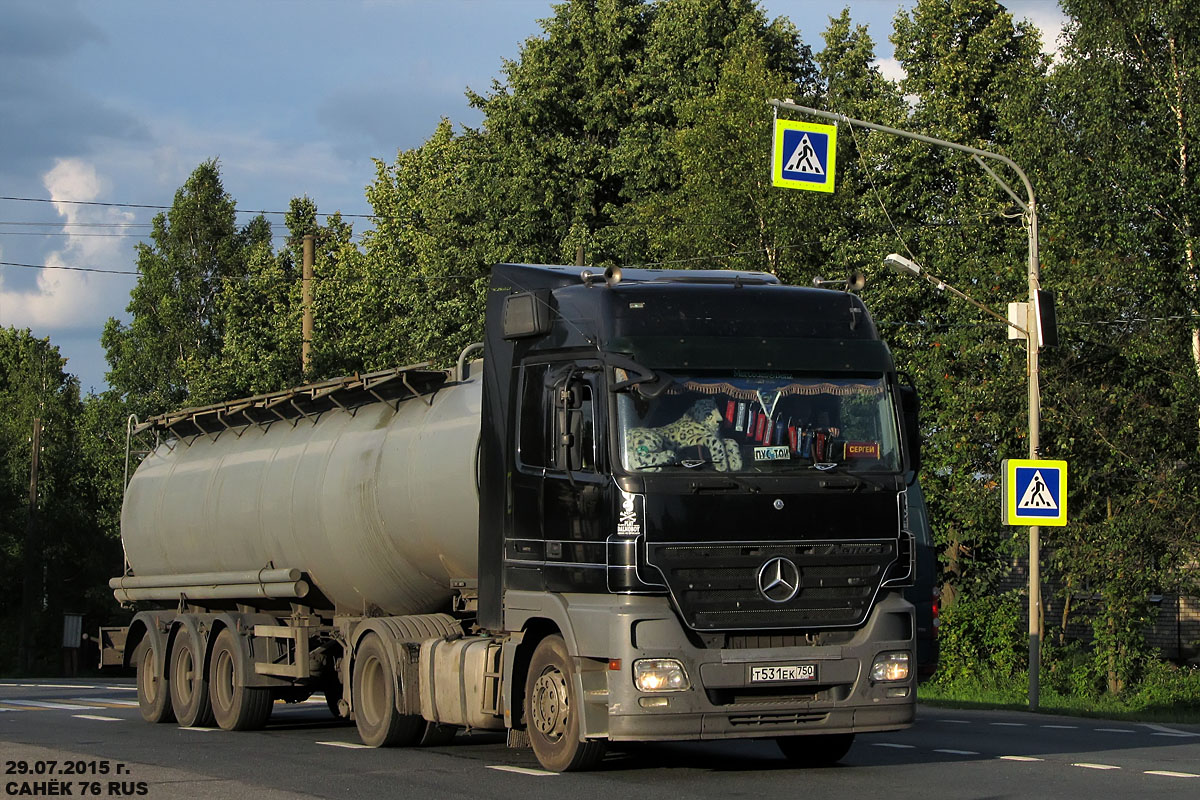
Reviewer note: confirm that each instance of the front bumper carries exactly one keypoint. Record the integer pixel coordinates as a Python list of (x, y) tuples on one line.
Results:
[(723, 702)]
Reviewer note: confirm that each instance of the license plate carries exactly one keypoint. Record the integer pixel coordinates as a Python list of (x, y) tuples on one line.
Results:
[(794, 672)]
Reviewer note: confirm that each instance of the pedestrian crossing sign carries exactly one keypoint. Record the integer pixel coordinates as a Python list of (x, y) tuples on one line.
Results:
[(805, 155), (1033, 492)]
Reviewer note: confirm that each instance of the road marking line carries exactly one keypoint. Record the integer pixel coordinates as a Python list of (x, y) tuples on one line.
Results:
[(956, 721), (1180, 735), (1010, 724), (958, 752), (1165, 731), (895, 745), (1086, 765), (62, 686), (347, 745), (56, 706), (1061, 727), (97, 717), (122, 688), (1167, 774), (2, 708), (1114, 730), (1020, 758), (520, 770), (106, 702), (199, 729)]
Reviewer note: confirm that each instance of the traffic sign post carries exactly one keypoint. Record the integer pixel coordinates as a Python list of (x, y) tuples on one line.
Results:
[(1033, 492), (805, 155)]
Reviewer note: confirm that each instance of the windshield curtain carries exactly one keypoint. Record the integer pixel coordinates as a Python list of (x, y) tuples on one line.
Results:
[(759, 423)]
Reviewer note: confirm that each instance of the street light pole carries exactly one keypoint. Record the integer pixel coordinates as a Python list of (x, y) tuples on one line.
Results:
[(1029, 206)]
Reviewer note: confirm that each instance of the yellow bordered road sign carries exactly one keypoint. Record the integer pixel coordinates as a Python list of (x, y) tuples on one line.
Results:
[(1033, 492), (805, 155)]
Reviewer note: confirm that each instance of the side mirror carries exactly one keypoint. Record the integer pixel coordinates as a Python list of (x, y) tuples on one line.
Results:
[(910, 413), (569, 424)]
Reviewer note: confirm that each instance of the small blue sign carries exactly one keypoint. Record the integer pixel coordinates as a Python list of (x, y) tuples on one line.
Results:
[(1037, 492), (805, 155), (1034, 492)]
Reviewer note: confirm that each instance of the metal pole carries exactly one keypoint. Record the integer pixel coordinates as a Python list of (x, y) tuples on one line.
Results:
[(306, 302), (1030, 207)]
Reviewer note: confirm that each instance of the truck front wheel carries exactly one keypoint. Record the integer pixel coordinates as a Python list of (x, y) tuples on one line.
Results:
[(552, 711), (235, 708), (153, 690), (373, 692)]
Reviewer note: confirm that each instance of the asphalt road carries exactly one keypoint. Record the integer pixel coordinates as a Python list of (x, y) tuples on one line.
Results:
[(86, 738)]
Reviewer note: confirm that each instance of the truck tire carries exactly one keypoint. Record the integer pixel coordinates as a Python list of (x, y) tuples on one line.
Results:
[(815, 751), (373, 692), (153, 689), (552, 711), (234, 707), (189, 684)]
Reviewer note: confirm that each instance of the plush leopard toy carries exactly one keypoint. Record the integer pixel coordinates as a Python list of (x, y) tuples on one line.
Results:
[(650, 448)]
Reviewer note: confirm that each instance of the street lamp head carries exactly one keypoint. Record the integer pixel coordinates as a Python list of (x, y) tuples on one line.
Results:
[(898, 263)]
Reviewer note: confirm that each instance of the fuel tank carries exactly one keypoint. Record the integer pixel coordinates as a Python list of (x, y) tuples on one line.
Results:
[(379, 507)]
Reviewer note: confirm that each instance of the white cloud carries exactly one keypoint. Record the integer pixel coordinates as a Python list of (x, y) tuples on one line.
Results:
[(890, 68), (67, 299), (1048, 18)]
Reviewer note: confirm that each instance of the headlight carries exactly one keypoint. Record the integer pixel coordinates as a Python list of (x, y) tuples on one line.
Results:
[(660, 675), (890, 667)]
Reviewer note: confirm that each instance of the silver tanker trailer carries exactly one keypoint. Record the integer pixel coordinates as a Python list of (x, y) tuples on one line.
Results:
[(664, 506)]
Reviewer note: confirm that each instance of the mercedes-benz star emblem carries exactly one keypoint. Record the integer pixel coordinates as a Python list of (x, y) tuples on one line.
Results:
[(778, 580)]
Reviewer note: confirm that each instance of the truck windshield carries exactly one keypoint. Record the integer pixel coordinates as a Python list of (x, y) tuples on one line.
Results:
[(743, 422)]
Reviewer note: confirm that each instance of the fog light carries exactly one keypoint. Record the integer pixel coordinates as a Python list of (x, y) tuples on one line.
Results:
[(660, 675), (890, 667)]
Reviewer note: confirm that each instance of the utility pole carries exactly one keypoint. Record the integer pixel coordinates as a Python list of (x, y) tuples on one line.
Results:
[(31, 587), (306, 301)]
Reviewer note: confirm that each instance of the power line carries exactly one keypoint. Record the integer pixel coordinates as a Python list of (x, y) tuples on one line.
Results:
[(162, 208), (71, 269)]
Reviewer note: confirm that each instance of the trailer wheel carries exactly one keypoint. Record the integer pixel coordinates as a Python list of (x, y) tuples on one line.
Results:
[(189, 684), (373, 691), (815, 751), (153, 689), (234, 707), (552, 711)]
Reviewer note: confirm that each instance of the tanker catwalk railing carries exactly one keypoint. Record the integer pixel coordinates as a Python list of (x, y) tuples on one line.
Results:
[(307, 402)]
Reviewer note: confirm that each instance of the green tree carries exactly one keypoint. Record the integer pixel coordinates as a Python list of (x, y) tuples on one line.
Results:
[(69, 551), (1122, 390), (174, 337), (977, 78)]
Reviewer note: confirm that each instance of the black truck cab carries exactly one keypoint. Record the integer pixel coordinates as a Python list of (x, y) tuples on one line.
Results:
[(708, 466)]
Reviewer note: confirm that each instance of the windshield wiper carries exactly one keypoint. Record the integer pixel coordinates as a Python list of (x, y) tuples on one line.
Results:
[(839, 470)]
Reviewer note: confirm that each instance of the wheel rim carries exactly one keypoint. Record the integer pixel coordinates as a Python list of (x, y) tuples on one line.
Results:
[(185, 671), (549, 705), (373, 695), (146, 677), (223, 688)]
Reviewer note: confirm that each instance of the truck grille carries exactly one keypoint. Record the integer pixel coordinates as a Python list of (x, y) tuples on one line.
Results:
[(716, 586)]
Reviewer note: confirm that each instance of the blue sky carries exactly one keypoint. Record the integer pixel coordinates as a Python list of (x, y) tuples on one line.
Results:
[(119, 101)]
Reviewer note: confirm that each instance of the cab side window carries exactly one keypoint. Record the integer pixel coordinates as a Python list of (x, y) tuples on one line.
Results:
[(535, 415)]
